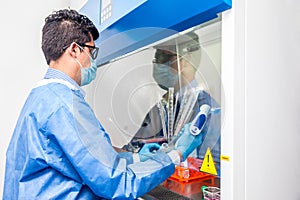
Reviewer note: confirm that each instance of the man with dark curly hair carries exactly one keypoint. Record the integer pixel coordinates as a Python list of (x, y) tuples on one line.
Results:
[(59, 150)]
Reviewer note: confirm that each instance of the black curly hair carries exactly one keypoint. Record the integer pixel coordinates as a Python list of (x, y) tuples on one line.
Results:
[(62, 28)]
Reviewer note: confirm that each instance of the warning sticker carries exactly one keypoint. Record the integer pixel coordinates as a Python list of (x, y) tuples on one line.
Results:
[(208, 164)]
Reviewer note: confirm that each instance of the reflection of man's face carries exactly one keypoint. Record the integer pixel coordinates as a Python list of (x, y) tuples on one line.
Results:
[(171, 59), (165, 69), (181, 66), (173, 63)]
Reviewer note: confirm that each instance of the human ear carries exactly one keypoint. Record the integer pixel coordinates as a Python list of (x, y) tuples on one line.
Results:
[(73, 49)]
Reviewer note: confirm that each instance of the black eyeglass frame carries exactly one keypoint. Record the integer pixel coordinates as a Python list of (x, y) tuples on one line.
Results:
[(93, 52)]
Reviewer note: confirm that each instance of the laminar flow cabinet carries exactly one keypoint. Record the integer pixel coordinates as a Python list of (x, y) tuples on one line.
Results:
[(159, 62)]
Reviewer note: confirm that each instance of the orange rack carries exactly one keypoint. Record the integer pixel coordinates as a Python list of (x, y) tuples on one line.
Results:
[(188, 180)]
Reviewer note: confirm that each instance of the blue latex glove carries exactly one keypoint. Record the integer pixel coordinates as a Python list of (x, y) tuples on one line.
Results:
[(187, 143), (148, 151)]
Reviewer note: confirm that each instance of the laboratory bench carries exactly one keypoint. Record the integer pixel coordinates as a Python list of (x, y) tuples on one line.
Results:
[(175, 189)]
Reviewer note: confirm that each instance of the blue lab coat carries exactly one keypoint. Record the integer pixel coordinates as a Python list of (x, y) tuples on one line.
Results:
[(59, 150)]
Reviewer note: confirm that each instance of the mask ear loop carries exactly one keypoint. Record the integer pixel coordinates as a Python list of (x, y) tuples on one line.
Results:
[(84, 51), (78, 63), (80, 47)]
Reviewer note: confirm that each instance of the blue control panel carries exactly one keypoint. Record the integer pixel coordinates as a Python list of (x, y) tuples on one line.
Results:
[(125, 26)]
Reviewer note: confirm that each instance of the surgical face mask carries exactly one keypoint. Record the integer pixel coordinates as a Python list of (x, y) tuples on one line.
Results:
[(163, 76), (88, 74)]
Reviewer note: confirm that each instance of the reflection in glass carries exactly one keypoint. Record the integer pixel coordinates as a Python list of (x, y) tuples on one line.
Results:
[(150, 95)]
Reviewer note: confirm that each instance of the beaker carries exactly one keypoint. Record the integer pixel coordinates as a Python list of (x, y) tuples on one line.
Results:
[(211, 193)]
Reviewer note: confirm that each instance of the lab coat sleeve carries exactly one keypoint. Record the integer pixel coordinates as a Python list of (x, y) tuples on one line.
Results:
[(88, 148)]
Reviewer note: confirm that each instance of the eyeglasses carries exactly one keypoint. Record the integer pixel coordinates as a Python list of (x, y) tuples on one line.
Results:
[(93, 50), (191, 48), (162, 56)]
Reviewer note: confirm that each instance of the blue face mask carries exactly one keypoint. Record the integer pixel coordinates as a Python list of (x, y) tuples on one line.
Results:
[(163, 76), (88, 74)]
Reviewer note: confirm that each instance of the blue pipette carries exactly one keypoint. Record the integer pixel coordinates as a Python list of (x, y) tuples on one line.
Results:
[(200, 120)]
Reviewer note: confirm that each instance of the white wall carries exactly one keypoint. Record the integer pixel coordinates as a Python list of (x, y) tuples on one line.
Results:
[(273, 99), (261, 80), (22, 63)]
